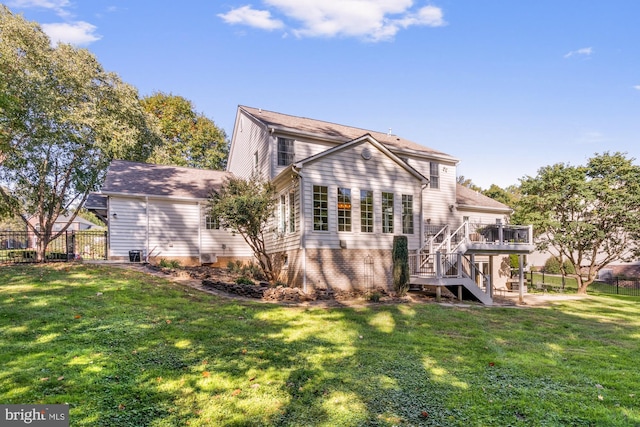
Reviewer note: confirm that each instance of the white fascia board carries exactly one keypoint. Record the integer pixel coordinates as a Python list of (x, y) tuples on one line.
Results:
[(153, 196), (484, 209)]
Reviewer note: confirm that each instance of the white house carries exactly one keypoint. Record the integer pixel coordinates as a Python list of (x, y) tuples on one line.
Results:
[(343, 194), (161, 212)]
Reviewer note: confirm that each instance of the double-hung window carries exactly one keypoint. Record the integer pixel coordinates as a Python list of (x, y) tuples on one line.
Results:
[(285, 151), (283, 213), (344, 209), (407, 214), (320, 208), (211, 222), (434, 175), (366, 211), (387, 212), (292, 211)]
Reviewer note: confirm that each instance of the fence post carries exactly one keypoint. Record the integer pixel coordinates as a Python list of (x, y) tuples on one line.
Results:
[(617, 286), (106, 245)]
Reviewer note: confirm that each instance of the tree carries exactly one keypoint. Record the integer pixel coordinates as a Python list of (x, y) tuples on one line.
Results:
[(589, 214), (63, 119), (400, 256), (189, 138), (508, 196), (246, 206), (467, 183)]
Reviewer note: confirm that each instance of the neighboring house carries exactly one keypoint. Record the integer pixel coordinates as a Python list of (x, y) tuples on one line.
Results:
[(343, 194), (161, 211), (77, 224)]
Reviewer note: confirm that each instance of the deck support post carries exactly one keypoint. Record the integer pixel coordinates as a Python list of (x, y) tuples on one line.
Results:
[(521, 279), (438, 293), (459, 292)]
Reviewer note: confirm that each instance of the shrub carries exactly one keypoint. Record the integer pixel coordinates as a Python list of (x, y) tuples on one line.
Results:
[(400, 255), (568, 267), (375, 296), (552, 265), (244, 281), (555, 265), (173, 263), (247, 270), (234, 266)]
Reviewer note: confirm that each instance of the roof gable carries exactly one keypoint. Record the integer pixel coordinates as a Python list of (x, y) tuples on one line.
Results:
[(337, 132), (360, 140), (144, 179)]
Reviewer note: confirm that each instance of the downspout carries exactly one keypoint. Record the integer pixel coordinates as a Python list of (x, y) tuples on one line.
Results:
[(422, 239), (199, 232), (303, 229), (146, 199)]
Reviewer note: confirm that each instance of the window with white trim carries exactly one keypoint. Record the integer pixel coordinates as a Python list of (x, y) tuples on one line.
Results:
[(320, 208), (366, 211), (407, 214), (387, 212), (292, 211), (285, 151), (211, 222), (283, 213), (434, 175), (344, 209)]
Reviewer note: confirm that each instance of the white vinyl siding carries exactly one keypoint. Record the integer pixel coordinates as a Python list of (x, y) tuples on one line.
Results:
[(250, 145), (171, 229), (128, 231), (348, 169)]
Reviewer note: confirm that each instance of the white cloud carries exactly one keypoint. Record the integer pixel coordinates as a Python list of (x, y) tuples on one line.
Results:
[(245, 15), (56, 5), (591, 137), (372, 20), (585, 51), (78, 33), (637, 87)]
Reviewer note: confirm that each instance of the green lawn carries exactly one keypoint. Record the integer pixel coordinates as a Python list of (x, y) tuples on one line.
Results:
[(127, 349)]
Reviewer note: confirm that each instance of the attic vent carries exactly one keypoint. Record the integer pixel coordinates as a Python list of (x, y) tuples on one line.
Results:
[(366, 153)]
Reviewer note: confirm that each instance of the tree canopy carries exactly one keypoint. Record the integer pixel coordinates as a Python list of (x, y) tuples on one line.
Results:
[(246, 205), (189, 138), (589, 214), (64, 118)]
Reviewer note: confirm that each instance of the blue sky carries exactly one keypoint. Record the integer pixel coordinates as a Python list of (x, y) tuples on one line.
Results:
[(505, 86)]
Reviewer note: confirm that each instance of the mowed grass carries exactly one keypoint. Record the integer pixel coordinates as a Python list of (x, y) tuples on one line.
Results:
[(127, 349)]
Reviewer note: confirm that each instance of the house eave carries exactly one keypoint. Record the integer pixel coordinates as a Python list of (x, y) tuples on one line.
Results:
[(478, 208), (153, 196)]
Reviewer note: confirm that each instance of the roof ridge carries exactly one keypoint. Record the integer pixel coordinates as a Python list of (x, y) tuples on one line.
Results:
[(316, 120)]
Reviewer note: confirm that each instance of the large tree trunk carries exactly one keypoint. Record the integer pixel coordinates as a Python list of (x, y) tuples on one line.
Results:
[(41, 247)]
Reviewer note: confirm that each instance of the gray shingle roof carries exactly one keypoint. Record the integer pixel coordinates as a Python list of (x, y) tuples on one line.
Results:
[(336, 131), (132, 178), (468, 197)]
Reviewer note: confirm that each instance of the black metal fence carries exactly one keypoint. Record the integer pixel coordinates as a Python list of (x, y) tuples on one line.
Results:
[(557, 282), (19, 246), (618, 286)]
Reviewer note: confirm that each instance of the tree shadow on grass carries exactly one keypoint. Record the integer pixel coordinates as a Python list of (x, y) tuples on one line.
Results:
[(146, 352)]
